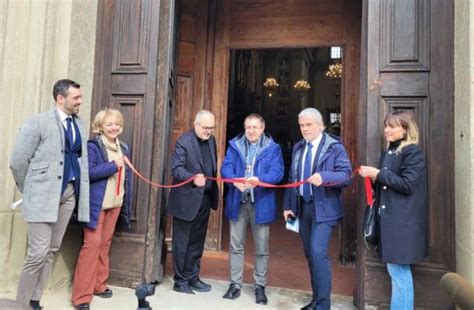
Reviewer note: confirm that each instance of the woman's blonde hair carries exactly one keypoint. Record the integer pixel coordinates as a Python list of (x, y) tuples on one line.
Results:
[(405, 120), (102, 115)]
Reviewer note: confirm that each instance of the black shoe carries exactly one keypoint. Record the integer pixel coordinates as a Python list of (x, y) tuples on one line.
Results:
[(182, 289), (105, 294), (81, 306), (199, 286), (312, 305), (233, 292), (260, 297), (34, 304)]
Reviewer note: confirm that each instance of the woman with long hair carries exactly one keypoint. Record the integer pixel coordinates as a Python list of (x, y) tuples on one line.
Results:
[(110, 193), (400, 185)]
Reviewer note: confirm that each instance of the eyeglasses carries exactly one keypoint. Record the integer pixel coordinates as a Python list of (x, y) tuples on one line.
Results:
[(210, 128)]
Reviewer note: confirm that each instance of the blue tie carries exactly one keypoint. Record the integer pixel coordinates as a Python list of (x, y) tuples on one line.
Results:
[(69, 131), (307, 173), (70, 139)]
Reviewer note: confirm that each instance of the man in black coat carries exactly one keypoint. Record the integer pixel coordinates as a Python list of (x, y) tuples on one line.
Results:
[(194, 155)]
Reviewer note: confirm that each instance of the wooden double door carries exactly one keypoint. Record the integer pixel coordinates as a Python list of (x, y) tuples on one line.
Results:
[(392, 60)]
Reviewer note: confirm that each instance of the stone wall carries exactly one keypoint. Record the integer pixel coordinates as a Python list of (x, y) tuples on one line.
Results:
[(464, 143), (41, 41)]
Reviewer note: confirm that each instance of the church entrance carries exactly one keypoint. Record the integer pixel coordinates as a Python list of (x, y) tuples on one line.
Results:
[(391, 60), (227, 51), (278, 83)]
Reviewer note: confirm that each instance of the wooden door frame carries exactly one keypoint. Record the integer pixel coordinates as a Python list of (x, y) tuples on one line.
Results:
[(217, 81)]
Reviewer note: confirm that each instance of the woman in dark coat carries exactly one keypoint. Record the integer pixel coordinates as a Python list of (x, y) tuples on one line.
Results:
[(110, 193), (401, 198)]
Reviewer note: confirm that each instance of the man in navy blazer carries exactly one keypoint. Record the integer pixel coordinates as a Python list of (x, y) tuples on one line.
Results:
[(320, 159), (195, 155)]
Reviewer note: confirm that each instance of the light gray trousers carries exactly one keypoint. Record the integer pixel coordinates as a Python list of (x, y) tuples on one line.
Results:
[(261, 233), (44, 239)]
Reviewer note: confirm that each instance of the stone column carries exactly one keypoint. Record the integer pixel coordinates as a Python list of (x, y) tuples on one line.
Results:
[(464, 143)]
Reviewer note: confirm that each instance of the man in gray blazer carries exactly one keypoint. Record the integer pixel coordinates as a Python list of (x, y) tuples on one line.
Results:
[(50, 168)]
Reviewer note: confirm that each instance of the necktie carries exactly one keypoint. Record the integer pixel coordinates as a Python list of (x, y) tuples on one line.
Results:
[(69, 131), (70, 140), (307, 172)]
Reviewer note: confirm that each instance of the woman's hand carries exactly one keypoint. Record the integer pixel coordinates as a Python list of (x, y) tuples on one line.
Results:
[(368, 171), (119, 162)]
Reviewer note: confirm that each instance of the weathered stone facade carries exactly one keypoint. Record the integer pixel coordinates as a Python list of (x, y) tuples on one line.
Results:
[(41, 41)]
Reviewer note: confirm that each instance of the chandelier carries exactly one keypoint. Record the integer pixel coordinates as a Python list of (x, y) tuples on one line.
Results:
[(302, 86), (334, 71), (270, 85)]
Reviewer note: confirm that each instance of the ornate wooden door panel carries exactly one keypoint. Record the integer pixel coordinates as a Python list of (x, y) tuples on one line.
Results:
[(407, 63), (133, 68), (194, 83)]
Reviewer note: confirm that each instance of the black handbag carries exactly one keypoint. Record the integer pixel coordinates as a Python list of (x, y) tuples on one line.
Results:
[(371, 223)]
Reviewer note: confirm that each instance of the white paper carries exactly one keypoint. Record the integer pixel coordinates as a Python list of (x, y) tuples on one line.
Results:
[(16, 204), (295, 226)]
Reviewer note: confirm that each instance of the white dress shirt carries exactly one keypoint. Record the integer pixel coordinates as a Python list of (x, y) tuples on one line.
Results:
[(63, 117)]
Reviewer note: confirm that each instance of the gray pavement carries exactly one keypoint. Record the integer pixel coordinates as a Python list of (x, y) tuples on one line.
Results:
[(166, 298)]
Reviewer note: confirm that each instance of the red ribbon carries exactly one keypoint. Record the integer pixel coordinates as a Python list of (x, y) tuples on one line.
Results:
[(229, 180), (368, 192), (257, 183), (127, 161), (119, 179)]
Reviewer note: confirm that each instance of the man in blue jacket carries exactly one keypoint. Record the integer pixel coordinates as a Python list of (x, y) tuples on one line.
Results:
[(252, 156), (322, 160)]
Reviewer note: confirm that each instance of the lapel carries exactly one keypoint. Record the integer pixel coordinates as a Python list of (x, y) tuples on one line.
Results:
[(78, 123), (382, 158), (299, 155), (212, 147), (197, 150), (55, 115), (320, 152), (78, 140)]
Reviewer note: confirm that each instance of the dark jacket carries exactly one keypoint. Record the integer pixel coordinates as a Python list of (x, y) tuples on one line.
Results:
[(334, 167), (184, 201), (100, 169), (268, 168), (401, 196)]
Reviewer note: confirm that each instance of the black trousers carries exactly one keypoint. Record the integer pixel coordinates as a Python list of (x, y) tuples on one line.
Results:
[(188, 244)]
